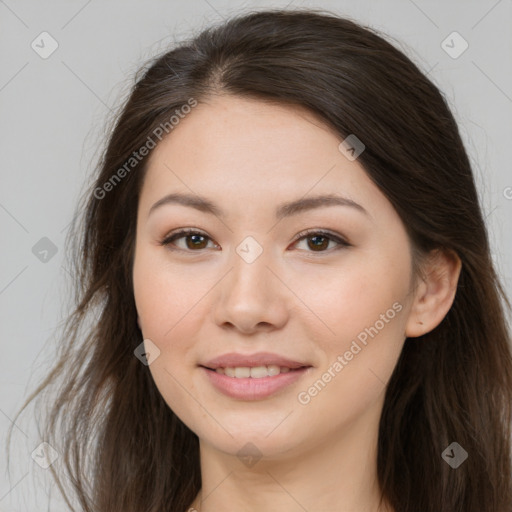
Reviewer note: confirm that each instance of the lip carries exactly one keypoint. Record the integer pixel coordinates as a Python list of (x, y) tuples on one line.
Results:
[(232, 360), (250, 388)]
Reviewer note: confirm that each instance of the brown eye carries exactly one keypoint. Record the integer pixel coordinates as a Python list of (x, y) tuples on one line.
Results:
[(194, 240), (318, 241)]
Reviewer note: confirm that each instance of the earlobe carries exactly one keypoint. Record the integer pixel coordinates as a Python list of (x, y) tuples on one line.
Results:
[(435, 292)]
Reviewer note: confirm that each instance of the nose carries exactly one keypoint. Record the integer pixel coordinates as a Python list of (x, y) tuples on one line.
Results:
[(251, 297)]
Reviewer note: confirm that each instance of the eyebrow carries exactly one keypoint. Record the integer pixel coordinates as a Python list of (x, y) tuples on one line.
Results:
[(284, 210)]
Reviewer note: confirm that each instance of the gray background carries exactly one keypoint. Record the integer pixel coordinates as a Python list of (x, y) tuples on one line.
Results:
[(53, 115)]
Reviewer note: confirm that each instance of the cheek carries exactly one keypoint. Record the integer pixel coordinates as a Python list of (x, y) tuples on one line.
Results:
[(169, 313), (355, 295), (357, 366), (363, 311), (163, 295), (172, 308)]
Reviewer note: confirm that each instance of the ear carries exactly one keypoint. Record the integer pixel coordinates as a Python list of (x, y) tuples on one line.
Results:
[(434, 293)]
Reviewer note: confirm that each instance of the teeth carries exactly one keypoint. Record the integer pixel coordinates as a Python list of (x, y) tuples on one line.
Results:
[(256, 372), (242, 372)]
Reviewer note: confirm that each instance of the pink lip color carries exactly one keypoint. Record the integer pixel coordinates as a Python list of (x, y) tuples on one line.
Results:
[(251, 388), (233, 359)]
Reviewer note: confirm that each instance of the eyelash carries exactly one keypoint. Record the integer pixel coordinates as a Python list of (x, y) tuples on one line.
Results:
[(167, 241)]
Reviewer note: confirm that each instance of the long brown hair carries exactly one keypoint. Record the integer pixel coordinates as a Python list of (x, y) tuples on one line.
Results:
[(122, 447)]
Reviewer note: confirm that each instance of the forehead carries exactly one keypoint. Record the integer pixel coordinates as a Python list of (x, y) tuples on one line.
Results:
[(252, 151), (224, 128)]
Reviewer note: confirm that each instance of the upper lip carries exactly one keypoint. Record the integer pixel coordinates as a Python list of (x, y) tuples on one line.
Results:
[(232, 360)]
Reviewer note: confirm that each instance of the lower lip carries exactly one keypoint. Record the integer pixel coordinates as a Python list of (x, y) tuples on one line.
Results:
[(250, 388)]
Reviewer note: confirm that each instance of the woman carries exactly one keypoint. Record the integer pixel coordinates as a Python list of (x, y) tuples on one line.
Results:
[(286, 288)]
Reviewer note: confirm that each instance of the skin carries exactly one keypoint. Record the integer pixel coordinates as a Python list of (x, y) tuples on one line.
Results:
[(248, 157)]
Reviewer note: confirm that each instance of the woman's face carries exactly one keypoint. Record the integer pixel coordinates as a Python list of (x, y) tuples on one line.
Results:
[(248, 281)]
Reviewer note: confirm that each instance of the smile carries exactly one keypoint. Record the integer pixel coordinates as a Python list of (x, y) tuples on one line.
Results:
[(255, 372), (253, 383)]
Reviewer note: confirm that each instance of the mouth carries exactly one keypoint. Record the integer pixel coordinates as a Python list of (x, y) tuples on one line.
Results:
[(254, 372), (253, 382)]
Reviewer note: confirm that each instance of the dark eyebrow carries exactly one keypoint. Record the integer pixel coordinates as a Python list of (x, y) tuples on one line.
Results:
[(285, 210)]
